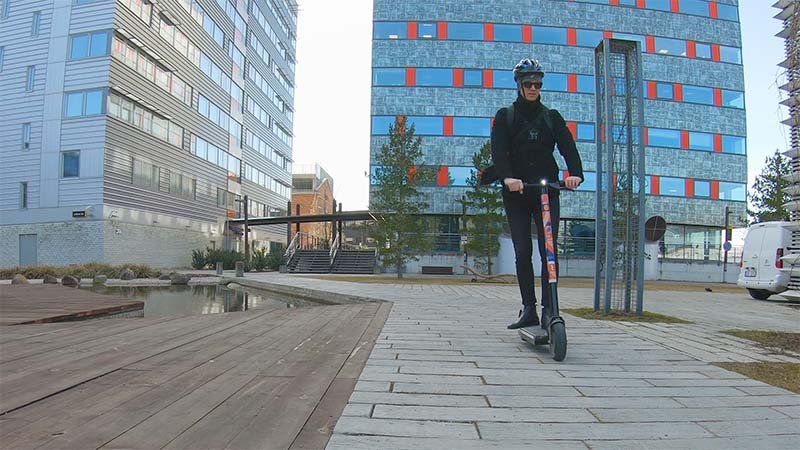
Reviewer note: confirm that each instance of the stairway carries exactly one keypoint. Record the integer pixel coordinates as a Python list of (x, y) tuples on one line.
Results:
[(310, 261), (354, 261)]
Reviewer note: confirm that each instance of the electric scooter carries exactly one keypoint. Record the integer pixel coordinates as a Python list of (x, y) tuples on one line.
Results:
[(552, 331)]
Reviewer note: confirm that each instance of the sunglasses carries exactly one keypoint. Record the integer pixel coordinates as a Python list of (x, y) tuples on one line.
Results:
[(531, 84)]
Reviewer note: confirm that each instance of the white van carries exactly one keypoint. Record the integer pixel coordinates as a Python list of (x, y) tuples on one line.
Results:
[(760, 268)]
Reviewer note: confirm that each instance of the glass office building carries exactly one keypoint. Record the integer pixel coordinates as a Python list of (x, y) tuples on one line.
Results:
[(445, 66)]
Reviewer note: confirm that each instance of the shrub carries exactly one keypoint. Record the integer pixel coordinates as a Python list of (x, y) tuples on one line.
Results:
[(227, 257), (88, 270), (275, 258), (258, 260), (199, 260)]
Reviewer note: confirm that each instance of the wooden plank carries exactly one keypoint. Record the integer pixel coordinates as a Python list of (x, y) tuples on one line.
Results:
[(104, 428), (21, 304), (316, 432)]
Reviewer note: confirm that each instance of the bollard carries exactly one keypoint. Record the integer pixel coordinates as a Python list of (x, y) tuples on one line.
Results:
[(239, 268), (219, 268)]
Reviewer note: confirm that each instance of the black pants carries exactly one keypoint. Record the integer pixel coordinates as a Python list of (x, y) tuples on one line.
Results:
[(519, 210)]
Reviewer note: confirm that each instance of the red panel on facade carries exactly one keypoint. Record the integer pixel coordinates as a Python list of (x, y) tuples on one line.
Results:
[(715, 52), (400, 123), (488, 32), (717, 96), (613, 2), (488, 78), (650, 44), (527, 33), (689, 188), (712, 10), (651, 89), (640, 4), (644, 130), (715, 190), (608, 34), (572, 82), (572, 37), (674, 6), (448, 125), (573, 128), (690, 49), (654, 181), (412, 30), (685, 139), (411, 76), (458, 77), (442, 177), (677, 92), (441, 30), (718, 143)]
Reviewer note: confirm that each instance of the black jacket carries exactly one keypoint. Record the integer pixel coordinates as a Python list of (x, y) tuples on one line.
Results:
[(526, 150)]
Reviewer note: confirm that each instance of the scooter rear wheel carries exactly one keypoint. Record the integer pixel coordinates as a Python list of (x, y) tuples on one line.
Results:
[(558, 341)]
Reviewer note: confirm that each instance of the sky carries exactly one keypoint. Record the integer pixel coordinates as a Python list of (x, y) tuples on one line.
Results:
[(333, 80)]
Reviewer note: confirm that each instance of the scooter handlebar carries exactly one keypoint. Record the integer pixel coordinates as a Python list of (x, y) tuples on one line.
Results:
[(557, 185)]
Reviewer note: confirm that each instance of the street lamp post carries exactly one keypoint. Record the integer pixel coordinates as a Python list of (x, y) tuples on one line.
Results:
[(726, 245), (244, 202)]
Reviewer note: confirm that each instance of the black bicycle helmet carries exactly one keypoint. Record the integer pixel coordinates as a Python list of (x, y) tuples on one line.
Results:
[(528, 68)]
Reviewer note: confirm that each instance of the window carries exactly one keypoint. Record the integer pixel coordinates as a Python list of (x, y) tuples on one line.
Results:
[(585, 132), (26, 136), (471, 126), (702, 188), (672, 187), (730, 54), (589, 38), (390, 30), (667, 46), (36, 24), (426, 30), (434, 77), (504, 79), (4, 12), (70, 164), (632, 37), (460, 176), (30, 77), (23, 195), (508, 33), (381, 124), (426, 125), (659, 137), (549, 35), (473, 77), (182, 185), (465, 31), (2, 54), (661, 5), (555, 82), (696, 7), (702, 51), (146, 175), (84, 103), (727, 12), (141, 8), (698, 94), (388, 77), (664, 91), (734, 99), (732, 191), (701, 141), (586, 84), (733, 144)]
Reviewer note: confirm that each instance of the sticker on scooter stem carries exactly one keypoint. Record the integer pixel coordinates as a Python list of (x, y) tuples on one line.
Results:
[(548, 242)]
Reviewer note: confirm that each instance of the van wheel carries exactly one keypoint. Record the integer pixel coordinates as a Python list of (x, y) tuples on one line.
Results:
[(759, 294)]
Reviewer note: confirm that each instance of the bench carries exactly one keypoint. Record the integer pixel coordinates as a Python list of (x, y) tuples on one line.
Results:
[(437, 270), (477, 275)]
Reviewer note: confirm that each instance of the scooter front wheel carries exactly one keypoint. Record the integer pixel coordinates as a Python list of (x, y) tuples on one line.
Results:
[(558, 341)]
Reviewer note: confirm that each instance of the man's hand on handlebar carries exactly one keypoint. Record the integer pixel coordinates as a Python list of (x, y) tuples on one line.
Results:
[(572, 182), (513, 184)]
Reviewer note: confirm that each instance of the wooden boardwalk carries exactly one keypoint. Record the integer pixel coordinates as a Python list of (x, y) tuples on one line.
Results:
[(29, 303), (260, 379)]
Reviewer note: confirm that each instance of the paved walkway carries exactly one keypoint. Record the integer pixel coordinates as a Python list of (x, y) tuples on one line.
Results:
[(446, 374)]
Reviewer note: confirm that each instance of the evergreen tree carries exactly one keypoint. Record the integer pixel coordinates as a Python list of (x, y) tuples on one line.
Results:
[(399, 233), (769, 192), (486, 208)]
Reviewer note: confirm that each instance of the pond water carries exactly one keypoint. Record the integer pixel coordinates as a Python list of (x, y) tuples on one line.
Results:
[(193, 300)]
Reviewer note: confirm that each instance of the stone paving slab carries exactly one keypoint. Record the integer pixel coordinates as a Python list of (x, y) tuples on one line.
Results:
[(446, 374)]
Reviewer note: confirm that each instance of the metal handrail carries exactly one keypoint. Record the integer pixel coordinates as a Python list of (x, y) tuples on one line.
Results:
[(334, 249), (292, 248)]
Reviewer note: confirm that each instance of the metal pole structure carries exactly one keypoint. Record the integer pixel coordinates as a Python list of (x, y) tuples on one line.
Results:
[(641, 176), (340, 226), (599, 229), (297, 225), (609, 175), (246, 231), (333, 223), (725, 248), (288, 224)]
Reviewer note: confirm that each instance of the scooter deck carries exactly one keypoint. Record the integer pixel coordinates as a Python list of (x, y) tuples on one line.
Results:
[(535, 335)]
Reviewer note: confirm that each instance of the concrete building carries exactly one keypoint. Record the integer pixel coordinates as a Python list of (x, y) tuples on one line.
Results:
[(446, 66), (130, 129)]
